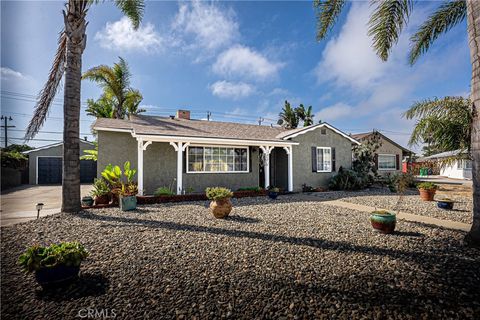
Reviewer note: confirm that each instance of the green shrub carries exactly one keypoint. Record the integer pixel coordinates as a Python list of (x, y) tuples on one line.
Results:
[(427, 186), (346, 180), (69, 254), (256, 189), (163, 191), (274, 189), (100, 188), (218, 193)]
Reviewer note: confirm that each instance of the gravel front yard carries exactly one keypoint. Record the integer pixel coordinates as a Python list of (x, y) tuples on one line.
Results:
[(411, 203), (284, 259)]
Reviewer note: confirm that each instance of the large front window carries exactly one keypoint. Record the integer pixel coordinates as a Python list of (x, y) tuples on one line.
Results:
[(387, 162), (217, 159), (324, 159)]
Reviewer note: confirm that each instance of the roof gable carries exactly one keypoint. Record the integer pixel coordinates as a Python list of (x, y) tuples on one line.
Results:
[(299, 131), (361, 136)]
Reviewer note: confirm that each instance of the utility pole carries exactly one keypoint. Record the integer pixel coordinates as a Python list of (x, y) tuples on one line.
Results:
[(260, 120), (209, 114), (6, 126)]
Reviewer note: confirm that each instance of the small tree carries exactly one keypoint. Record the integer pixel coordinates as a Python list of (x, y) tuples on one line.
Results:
[(364, 158)]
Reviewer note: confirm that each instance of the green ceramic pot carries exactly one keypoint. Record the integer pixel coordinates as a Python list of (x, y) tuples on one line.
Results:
[(128, 203), (87, 201), (383, 221)]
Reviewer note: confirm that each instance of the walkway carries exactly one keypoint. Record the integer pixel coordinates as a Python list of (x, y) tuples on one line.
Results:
[(403, 215)]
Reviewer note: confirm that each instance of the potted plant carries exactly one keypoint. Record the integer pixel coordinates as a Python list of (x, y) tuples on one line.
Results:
[(113, 175), (383, 221), (129, 189), (87, 201), (100, 192), (273, 192), (427, 190), (54, 265), (445, 203), (220, 204)]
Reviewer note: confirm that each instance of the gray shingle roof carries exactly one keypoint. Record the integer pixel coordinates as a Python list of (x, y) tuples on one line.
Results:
[(151, 125)]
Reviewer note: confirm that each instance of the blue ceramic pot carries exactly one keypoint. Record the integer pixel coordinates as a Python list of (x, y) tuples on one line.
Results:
[(445, 204), (272, 195), (55, 276), (128, 203)]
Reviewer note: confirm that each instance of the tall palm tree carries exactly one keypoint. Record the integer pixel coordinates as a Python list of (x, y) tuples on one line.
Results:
[(445, 124), (68, 61), (115, 82), (288, 118), (385, 25), (100, 108), (305, 115)]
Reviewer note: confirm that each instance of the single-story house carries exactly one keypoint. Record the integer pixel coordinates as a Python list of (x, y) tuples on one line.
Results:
[(389, 156), (455, 168), (45, 164), (194, 154)]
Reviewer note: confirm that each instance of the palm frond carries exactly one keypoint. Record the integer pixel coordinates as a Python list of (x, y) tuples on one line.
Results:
[(446, 17), (48, 92), (133, 9), (386, 24), (327, 12)]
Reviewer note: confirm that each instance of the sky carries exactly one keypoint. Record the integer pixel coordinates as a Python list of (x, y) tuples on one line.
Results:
[(239, 60)]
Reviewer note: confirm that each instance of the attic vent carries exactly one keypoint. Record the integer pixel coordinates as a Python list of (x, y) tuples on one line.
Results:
[(323, 131)]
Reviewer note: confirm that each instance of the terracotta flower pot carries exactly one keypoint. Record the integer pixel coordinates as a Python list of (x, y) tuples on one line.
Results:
[(105, 199), (221, 208), (427, 194)]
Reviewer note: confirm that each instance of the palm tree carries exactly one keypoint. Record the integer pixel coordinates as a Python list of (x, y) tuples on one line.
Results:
[(305, 115), (100, 108), (68, 61), (115, 82), (385, 25), (288, 117), (445, 124)]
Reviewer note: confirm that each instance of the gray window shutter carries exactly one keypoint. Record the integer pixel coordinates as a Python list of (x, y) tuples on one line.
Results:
[(333, 159), (398, 161), (250, 149), (314, 159), (376, 160)]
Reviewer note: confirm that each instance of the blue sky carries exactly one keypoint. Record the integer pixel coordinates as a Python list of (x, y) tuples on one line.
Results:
[(238, 60)]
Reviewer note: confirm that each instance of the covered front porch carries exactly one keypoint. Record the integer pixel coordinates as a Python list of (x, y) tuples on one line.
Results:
[(201, 162)]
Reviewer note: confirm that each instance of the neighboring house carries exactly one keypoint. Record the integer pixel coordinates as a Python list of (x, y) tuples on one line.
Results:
[(389, 156), (196, 154), (456, 168), (45, 164)]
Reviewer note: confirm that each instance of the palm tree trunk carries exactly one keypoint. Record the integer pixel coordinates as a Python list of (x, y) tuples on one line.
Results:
[(473, 25), (75, 26)]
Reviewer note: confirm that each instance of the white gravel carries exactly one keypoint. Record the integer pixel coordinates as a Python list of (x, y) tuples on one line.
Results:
[(272, 259)]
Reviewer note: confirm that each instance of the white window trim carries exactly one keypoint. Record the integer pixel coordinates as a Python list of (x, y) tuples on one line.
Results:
[(218, 146), (325, 148), (388, 155), (463, 165)]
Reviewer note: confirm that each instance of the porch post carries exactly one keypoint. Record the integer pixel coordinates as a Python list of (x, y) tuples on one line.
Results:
[(140, 166), (266, 150), (179, 147), (290, 167), (140, 148)]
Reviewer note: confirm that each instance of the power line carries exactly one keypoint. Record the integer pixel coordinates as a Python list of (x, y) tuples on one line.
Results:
[(52, 132)]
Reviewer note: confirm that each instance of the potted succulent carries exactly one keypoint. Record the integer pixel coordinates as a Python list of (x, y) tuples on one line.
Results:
[(54, 265), (383, 221), (87, 201), (220, 204), (273, 192), (445, 203), (427, 190), (100, 192)]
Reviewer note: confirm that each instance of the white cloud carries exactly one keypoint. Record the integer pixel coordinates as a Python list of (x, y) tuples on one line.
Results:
[(240, 61), (120, 35), (10, 74), (334, 112), (234, 90), (210, 26)]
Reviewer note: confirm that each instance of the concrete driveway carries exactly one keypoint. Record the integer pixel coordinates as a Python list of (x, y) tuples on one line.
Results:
[(18, 204)]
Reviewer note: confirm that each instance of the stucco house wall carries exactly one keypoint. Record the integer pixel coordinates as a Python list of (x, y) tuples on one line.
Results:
[(455, 171), (302, 157), (54, 151), (388, 148), (160, 164)]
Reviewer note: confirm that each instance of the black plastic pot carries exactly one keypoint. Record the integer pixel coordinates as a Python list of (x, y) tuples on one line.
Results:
[(272, 195), (56, 276)]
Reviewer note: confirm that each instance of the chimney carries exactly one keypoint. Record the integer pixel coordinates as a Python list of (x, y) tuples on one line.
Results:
[(183, 114)]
